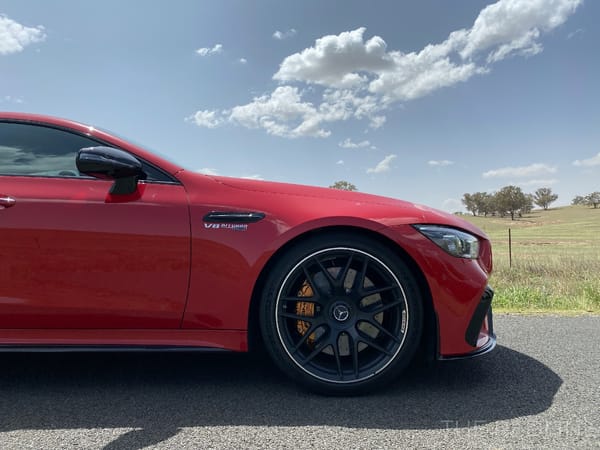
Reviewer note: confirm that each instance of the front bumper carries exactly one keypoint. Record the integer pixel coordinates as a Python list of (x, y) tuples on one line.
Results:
[(480, 331)]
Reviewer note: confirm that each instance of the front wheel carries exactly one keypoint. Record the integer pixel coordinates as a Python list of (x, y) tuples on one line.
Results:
[(341, 314)]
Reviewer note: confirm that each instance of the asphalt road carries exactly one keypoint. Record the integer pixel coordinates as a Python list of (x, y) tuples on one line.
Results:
[(540, 388)]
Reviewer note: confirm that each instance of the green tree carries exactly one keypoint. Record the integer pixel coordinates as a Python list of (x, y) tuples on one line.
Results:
[(512, 200), (527, 205), (469, 203), (543, 197), (578, 200), (489, 205), (480, 200), (344, 185), (477, 203), (593, 199)]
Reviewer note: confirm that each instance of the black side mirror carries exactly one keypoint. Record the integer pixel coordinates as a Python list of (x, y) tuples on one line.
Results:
[(110, 163)]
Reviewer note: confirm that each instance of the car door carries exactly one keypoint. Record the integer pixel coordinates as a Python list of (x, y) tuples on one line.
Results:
[(74, 256)]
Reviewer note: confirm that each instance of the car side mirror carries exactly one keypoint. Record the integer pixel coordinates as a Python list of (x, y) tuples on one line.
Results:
[(110, 163)]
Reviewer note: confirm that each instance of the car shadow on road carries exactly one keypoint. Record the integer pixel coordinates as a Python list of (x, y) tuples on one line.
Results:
[(156, 394)]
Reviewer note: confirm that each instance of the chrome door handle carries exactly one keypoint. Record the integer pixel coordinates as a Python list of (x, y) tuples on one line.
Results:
[(6, 201)]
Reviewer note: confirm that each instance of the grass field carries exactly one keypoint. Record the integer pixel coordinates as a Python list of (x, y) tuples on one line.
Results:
[(555, 260)]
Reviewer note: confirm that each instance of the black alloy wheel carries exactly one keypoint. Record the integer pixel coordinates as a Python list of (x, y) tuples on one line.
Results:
[(342, 318)]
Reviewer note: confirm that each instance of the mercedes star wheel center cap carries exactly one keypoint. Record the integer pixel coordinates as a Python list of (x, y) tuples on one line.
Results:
[(341, 313)]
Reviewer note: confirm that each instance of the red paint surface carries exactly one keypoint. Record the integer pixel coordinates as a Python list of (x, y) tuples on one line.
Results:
[(76, 262)]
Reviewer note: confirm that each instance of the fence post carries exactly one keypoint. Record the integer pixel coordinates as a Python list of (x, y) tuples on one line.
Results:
[(509, 249)]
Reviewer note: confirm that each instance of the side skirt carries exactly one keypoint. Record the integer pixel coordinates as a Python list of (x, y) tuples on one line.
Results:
[(122, 340)]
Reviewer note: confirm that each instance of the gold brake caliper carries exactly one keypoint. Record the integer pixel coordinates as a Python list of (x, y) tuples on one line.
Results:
[(305, 309)]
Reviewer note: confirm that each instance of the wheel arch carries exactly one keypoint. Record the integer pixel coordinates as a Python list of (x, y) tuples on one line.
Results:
[(429, 340)]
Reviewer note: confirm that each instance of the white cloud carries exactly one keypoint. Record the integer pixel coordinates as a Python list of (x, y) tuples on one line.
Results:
[(206, 118), (590, 162), (526, 45), (281, 35), (14, 37), (11, 99), (208, 171), (416, 75), (340, 162), (377, 122), (206, 51), (348, 143), (510, 26), (242, 60), (382, 166), (336, 61), (536, 183), (440, 163), (360, 78), (282, 113), (532, 170), (252, 177)]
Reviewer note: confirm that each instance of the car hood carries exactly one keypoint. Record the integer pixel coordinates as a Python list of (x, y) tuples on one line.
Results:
[(272, 187), (328, 202)]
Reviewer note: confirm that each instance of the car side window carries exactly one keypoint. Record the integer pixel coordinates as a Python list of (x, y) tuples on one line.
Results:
[(37, 150)]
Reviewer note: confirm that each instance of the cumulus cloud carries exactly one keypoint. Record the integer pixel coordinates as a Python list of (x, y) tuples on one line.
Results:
[(242, 60), (206, 51), (336, 61), (282, 113), (252, 177), (348, 143), (358, 77), (281, 35), (533, 170), (14, 37), (590, 162), (383, 165), (340, 162), (510, 26), (206, 118), (440, 163)]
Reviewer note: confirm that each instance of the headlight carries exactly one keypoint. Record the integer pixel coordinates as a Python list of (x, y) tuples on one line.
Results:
[(455, 242)]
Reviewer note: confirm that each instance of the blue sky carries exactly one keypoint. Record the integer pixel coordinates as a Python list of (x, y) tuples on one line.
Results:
[(416, 100)]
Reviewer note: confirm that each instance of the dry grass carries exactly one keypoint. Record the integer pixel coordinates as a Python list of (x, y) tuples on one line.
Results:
[(555, 260)]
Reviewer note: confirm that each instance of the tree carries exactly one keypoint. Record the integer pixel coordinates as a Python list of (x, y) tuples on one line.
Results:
[(511, 199), (543, 197), (578, 200), (593, 199), (527, 205), (344, 185), (476, 203), (480, 199), (489, 204), (469, 203)]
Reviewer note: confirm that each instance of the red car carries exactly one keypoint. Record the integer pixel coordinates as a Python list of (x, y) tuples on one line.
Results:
[(106, 246)]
